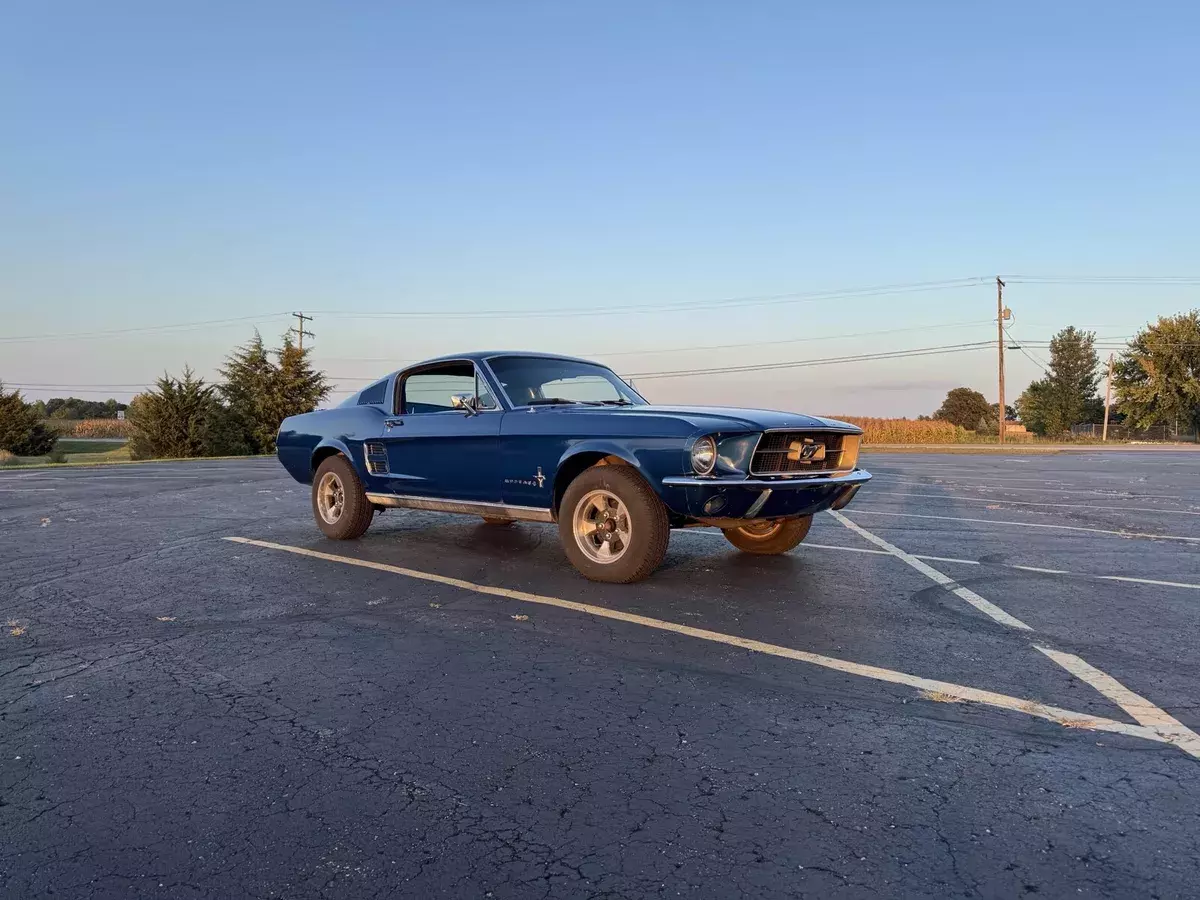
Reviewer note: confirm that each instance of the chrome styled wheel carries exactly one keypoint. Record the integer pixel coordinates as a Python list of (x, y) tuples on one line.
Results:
[(603, 529), (762, 529), (769, 537), (331, 498)]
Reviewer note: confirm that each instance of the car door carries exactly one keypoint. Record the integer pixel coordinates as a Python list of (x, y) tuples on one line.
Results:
[(437, 450)]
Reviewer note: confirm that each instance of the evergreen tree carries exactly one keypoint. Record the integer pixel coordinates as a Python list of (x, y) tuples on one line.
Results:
[(1157, 380), (21, 428), (250, 394), (175, 420), (298, 386)]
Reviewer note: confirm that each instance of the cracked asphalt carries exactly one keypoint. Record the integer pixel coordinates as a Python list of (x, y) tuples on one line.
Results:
[(182, 716)]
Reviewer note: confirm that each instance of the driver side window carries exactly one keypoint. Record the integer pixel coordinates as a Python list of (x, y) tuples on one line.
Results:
[(432, 390)]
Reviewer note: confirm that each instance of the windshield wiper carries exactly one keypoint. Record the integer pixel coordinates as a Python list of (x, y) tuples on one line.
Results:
[(547, 401), (621, 402)]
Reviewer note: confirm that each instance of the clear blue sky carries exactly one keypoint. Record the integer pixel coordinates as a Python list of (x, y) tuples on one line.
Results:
[(176, 162)]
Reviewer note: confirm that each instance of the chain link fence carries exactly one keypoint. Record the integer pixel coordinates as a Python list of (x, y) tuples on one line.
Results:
[(1159, 433)]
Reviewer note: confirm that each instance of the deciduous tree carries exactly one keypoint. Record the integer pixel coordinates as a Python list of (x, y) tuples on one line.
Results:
[(1067, 395), (966, 408), (1157, 380)]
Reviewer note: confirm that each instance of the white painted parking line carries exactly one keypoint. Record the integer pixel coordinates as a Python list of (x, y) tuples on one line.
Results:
[(956, 497), (805, 545), (868, 510), (984, 606), (1129, 579), (9, 490), (1142, 710), (988, 485), (957, 691)]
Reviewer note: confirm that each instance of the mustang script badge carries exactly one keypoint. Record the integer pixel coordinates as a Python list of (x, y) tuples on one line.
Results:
[(807, 450)]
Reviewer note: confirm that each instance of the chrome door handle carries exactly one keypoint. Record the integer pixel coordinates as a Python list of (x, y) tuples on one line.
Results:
[(392, 423)]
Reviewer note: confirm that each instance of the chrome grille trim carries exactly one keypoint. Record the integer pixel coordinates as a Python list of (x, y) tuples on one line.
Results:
[(770, 453)]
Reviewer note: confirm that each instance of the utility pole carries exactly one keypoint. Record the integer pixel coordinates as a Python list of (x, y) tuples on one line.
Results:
[(1001, 315), (300, 329), (1107, 399)]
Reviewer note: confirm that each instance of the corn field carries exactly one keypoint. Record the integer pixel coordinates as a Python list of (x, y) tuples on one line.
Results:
[(99, 428), (904, 431)]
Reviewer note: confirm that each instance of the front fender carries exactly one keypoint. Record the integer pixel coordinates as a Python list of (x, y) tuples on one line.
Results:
[(600, 447)]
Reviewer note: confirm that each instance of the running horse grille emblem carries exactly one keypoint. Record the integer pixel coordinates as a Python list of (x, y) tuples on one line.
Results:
[(807, 450)]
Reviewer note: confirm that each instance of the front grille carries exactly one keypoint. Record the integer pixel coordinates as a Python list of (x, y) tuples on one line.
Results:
[(787, 453), (377, 461)]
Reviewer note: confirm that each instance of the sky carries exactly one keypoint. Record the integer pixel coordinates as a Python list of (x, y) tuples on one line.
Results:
[(431, 178)]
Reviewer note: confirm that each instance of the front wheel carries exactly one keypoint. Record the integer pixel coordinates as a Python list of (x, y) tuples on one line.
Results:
[(769, 538), (612, 525), (339, 502)]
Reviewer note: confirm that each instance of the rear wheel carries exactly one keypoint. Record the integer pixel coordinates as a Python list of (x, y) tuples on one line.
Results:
[(768, 537), (612, 525), (339, 502)]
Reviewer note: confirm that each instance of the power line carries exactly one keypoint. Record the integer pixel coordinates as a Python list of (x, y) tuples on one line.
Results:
[(1150, 280), (608, 309), (1020, 345), (830, 360), (601, 354), (141, 329)]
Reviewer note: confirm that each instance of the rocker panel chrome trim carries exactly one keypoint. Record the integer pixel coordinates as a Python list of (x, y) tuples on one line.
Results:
[(464, 507)]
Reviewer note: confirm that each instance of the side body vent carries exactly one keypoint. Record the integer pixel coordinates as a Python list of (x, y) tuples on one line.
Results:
[(377, 461)]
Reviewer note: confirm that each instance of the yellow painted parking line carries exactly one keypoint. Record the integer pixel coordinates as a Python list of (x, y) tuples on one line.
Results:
[(927, 685)]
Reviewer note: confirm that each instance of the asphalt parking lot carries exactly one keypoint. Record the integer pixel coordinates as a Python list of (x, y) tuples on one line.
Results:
[(983, 682)]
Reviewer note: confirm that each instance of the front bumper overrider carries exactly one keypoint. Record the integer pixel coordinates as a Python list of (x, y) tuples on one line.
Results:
[(741, 497)]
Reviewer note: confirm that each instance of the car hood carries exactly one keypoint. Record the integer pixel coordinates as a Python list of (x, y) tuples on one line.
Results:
[(728, 418)]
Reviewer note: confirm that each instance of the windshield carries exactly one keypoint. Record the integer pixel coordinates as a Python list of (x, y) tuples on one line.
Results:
[(534, 381)]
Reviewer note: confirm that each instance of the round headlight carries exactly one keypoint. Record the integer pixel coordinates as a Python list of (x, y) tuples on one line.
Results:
[(704, 455)]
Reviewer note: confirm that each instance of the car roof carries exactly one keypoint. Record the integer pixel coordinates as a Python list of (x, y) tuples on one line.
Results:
[(478, 355)]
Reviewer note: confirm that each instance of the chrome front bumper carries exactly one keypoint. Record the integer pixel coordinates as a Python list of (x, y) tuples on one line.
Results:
[(740, 497)]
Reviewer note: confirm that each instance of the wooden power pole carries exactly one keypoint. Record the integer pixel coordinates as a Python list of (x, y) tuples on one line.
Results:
[(1107, 399), (1001, 315), (300, 332)]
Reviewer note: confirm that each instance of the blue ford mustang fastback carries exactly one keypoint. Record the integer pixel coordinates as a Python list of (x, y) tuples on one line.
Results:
[(543, 438)]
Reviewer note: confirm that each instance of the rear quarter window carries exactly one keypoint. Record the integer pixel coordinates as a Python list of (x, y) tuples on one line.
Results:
[(373, 395)]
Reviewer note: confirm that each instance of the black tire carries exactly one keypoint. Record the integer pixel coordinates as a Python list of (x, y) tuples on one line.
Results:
[(355, 514), (494, 520), (769, 538), (646, 525)]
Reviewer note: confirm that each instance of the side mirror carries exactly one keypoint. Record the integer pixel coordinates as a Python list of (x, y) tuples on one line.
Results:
[(465, 402)]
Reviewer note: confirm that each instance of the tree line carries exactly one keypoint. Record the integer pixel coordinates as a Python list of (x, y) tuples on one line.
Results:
[(75, 408), (182, 415), (1156, 381)]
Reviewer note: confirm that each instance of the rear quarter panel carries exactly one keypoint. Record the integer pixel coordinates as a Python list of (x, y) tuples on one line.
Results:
[(303, 438)]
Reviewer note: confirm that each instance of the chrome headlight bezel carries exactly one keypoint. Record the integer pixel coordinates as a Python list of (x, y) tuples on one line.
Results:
[(703, 455)]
